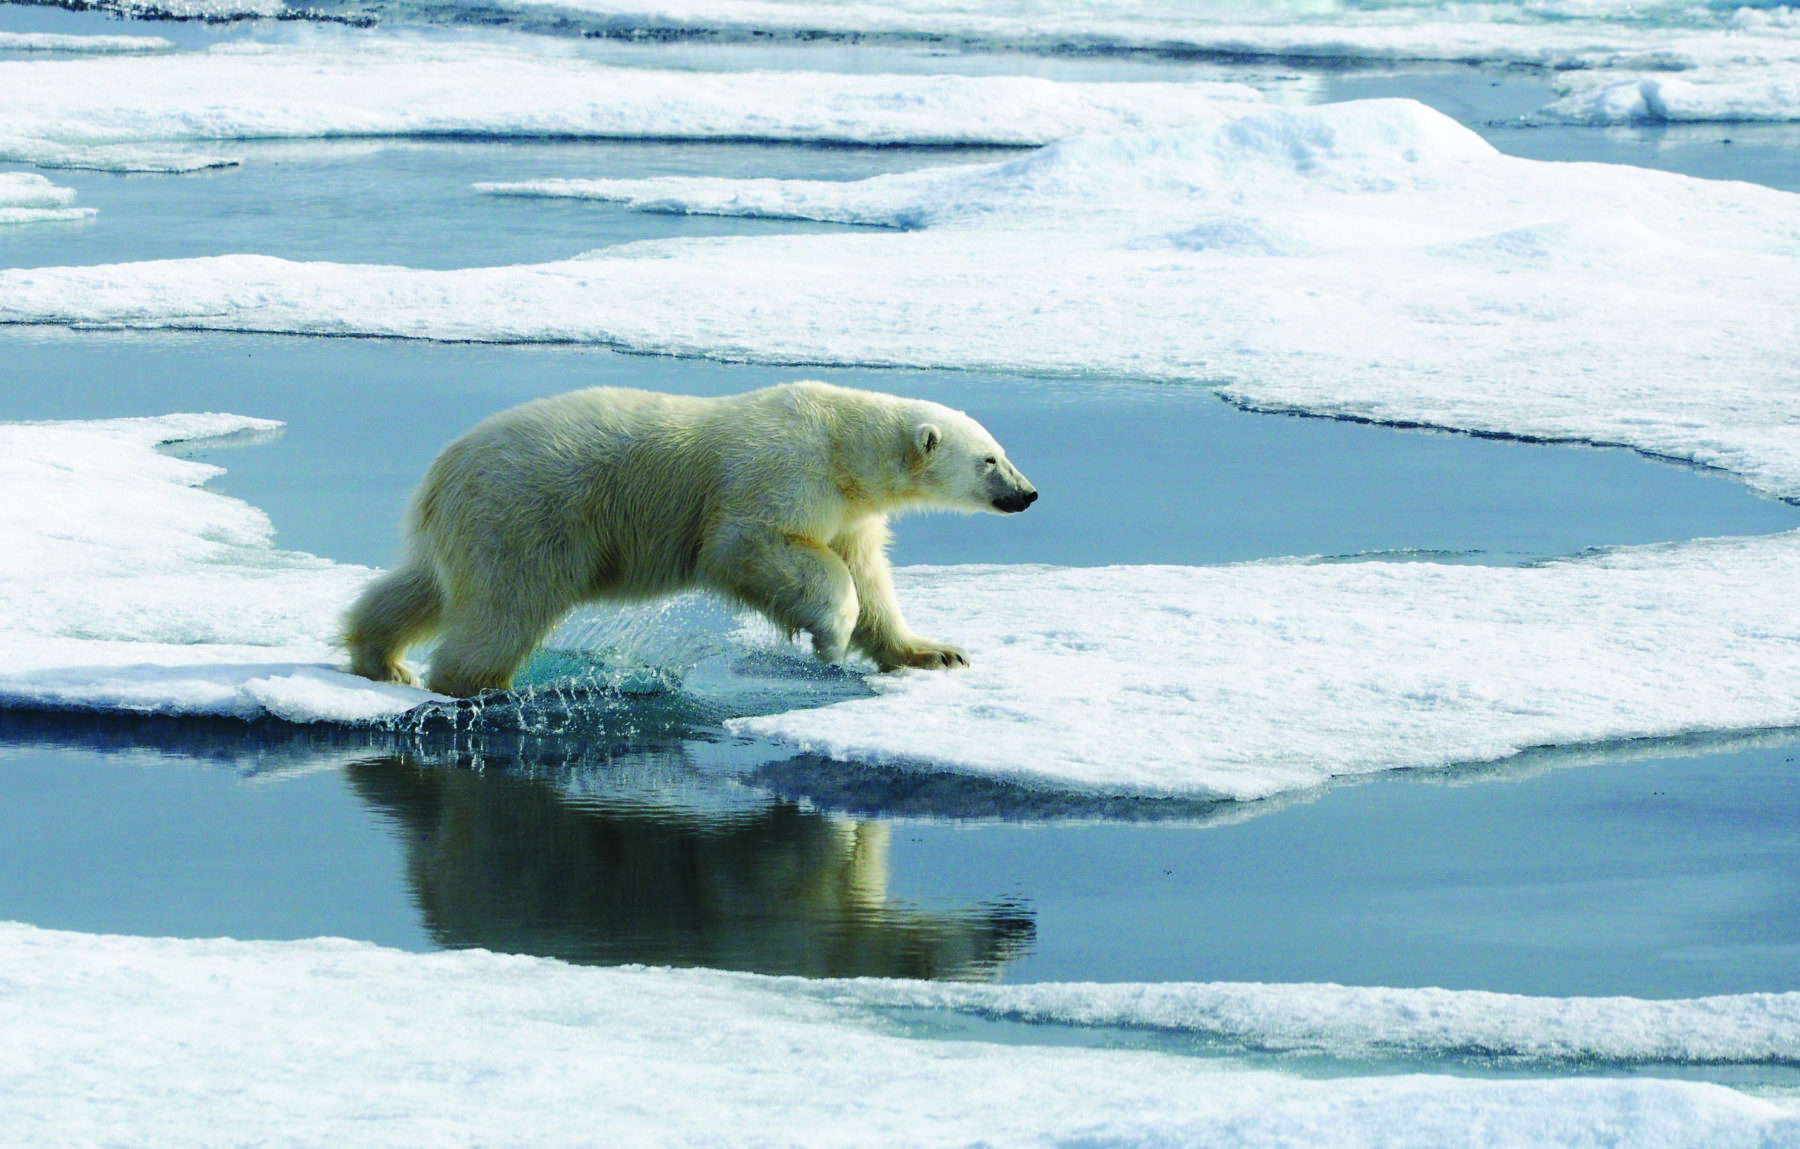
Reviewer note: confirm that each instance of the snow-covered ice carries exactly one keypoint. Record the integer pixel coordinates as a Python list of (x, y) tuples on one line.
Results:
[(124, 585), (387, 86), (1764, 94), (197, 9), (1249, 680), (100, 45), (302, 1042), (1375, 1022), (1371, 260), (1553, 35), (28, 198), (108, 157)]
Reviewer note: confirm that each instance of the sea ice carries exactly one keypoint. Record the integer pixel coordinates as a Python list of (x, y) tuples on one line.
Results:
[(28, 198), (98, 45), (332, 1040), (125, 585), (388, 86), (1374, 1022), (1370, 260), (1767, 93), (1593, 34), (107, 157), (1249, 680), (199, 9)]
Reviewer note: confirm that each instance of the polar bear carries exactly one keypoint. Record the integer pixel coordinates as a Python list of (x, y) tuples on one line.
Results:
[(777, 498)]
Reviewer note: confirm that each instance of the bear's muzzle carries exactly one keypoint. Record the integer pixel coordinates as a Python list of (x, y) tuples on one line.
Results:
[(1016, 501)]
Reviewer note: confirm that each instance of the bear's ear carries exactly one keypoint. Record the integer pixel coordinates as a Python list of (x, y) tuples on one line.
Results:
[(927, 438)]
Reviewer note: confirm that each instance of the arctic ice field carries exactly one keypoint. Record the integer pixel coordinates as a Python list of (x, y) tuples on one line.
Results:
[(1384, 731)]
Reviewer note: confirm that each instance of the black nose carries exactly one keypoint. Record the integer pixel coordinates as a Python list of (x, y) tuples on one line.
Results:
[(1014, 503)]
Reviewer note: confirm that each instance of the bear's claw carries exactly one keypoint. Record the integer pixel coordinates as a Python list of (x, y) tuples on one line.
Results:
[(929, 656)]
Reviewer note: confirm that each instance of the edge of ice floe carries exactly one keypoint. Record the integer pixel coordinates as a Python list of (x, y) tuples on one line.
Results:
[(82, 44), (1363, 1023)]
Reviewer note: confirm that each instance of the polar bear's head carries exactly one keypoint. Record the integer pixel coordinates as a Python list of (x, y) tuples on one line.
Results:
[(957, 464)]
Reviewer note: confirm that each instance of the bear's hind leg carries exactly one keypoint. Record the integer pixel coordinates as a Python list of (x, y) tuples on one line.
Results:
[(393, 612), (485, 643), (797, 583)]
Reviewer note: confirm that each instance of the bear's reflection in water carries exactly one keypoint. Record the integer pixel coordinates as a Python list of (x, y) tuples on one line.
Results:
[(512, 863)]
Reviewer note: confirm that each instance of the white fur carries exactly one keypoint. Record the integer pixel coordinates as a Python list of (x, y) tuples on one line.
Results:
[(778, 498)]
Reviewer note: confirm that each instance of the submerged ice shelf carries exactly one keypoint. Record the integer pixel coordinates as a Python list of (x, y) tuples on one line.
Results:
[(136, 590)]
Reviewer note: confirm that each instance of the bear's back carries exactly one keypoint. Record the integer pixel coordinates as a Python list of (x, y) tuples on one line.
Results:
[(609, 484)]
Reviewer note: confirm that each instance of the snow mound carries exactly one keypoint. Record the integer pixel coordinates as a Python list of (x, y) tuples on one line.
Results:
[(385, 86), (127, 586), (28, 198), (1228, 157), (325, 1040)]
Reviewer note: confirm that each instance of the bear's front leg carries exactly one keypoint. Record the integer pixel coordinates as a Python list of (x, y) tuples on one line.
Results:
[(799, 584), (881, 632)]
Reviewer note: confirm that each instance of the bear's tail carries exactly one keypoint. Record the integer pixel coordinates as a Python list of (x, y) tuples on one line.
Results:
[(395, 611)]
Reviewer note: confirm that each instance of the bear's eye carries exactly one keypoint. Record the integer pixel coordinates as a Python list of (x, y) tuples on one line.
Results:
[(991, 461)]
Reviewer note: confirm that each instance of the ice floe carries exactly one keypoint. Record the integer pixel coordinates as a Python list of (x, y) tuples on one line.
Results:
[(125, 586), (1370, 260), (1371, 1023), (107, 157), (1249, 680), (28, 198), (210, 10), (385, 86), (1553, 35), (1760, 94), (98, 45), (322, 1040)]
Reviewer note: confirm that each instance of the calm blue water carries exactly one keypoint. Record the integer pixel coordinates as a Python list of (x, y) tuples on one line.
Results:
[(409, 202), (1642, 870), (1662, 875), (1130, 473)]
